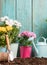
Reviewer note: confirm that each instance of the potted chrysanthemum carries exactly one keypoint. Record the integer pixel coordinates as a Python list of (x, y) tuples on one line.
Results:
[(25, 39), (11, 28)]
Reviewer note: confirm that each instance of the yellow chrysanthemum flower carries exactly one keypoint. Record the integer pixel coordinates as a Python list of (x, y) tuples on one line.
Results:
[(8, 28), (2, 29)]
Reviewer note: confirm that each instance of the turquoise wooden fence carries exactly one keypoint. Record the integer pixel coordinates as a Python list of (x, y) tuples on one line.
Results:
[(39, 17), (31, 13)]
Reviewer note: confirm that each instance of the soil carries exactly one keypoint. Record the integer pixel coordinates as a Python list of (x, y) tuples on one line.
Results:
[(27, 61)]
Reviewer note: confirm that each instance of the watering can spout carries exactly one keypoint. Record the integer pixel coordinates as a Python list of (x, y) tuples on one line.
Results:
[(35, 47), (32, 39)]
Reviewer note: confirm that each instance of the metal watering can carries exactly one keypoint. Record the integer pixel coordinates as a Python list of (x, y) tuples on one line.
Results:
[(40, 48)]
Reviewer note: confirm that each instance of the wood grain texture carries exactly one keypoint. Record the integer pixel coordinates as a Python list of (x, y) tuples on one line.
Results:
[(0, 8), (39, 17), (9, 8), (24, 14)]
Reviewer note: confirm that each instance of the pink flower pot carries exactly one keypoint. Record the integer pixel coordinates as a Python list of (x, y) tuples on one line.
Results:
[(25, 51)]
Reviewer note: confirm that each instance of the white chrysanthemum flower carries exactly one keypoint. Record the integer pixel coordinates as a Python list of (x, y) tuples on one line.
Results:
[(2, 19), (6, 18), (9, 22), (18, 24)]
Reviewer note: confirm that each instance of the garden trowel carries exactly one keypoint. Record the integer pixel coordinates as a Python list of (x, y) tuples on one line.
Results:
[(10, 53)]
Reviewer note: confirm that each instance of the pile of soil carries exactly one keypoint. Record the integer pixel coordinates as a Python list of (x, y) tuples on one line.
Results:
[(27, 61)]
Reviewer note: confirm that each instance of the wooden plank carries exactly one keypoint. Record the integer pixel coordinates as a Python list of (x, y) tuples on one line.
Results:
[(24, 14), (39, 17), (11, 8), (8, 8), (2, 6)]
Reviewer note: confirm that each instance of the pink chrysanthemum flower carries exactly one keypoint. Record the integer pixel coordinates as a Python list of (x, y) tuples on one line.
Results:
[(28, 34)]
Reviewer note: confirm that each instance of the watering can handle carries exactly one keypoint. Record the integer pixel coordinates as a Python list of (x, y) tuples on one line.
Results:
[(46, 40), (35, 47), (43, 39)]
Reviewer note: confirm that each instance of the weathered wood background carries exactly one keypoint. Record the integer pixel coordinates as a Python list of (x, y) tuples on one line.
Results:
[(31, 13)]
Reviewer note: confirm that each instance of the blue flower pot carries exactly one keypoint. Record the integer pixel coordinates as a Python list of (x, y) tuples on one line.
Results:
[(2, 49)]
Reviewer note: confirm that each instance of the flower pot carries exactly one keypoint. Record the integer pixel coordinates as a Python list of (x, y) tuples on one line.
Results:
[(3, 49), (14, 48), (25, 51)]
